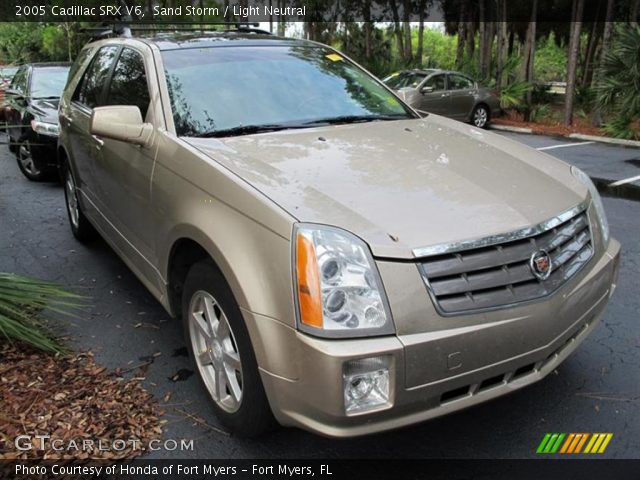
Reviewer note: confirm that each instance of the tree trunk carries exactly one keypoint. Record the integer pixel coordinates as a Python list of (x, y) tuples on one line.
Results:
[(574, 50), (421, 14), (587, 73), (502, 46), (396, 27), (462, 37), (488, 45), (408, 48), (366, 14), (471, 38), (482, 30), (282, 20), (604, 48), (529, 54)]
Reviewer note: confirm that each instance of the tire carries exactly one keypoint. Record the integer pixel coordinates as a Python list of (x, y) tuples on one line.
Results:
[(480, 117), (80, 226), (222, 352), (12, 146), (29, 164)]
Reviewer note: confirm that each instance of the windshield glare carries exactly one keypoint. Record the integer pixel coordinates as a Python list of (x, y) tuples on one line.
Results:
[(48, 82), (222, 88)]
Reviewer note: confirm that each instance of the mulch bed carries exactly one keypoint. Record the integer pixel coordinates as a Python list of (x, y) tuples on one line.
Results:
[(552, 129), (73, 400)]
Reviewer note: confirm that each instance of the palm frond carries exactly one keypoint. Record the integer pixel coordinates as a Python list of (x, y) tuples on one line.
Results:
[(23, 306)]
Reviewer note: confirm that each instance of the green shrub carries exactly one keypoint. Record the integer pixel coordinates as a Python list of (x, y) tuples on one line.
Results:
[(619, 128)]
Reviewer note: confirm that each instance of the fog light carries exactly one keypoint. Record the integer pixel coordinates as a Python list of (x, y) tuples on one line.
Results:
[(366, 385)]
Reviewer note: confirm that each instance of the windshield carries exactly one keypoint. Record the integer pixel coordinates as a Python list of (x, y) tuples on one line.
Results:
[(219, 89), (400, 80), (48, 82)]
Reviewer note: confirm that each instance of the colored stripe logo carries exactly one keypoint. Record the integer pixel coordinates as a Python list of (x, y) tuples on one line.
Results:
[(574, 443)]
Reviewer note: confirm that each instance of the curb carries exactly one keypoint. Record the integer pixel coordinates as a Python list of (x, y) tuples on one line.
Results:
[(614, 141), (506, 128), (575, 136)]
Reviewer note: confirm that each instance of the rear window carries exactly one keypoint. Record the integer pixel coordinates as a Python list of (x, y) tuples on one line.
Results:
[(397, 81)]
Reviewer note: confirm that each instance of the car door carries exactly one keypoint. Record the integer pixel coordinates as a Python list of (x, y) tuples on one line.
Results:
[(433, 96), (463, 91), (84, 147), (123, 174)]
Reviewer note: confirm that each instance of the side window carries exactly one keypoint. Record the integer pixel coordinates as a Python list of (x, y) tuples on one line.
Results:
[(458, 82), (129, 82), (437, 82), (19, 82), (89, 91), (79, 62)]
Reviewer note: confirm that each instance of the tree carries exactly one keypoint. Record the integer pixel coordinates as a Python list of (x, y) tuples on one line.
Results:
[(422, 13), (574, 50), (618, 88), (501, 48), (529, 54), (604, 50)]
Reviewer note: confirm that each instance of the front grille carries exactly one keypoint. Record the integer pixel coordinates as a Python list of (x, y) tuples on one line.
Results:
[(498, 275)]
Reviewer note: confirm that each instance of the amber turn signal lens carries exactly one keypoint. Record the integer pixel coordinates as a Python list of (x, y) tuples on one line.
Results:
[(309, 294)]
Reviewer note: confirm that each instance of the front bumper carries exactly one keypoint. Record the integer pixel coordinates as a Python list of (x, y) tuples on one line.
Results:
[(436, 372)]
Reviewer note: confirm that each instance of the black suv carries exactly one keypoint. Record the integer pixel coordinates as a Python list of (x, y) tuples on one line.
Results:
[(31, 113)]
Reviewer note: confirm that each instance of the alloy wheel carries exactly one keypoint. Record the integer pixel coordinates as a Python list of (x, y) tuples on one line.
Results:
[(26, 159), (72, 200), (480, 117), (216, 351)]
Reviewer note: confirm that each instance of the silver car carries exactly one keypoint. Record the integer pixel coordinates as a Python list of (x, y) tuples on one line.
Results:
[(451, 94)]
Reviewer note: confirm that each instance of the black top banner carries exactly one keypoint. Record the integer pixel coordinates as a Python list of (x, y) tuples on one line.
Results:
[(185, 11)]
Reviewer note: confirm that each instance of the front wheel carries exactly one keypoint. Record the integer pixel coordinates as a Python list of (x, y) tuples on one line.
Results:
[(221, 349), (480, 116), (29, 166)]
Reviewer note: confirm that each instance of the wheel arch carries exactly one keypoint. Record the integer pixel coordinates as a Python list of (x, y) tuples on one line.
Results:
[(188, 247)]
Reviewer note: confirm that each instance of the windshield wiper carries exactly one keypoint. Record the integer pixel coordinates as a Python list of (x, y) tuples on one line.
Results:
[(345, 119), (245, 130)]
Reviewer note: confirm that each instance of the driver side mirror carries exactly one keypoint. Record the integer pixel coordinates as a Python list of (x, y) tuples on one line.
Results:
[(427, 90), (123, 123)]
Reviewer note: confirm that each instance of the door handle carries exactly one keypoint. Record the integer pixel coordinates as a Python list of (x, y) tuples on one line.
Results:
[(66, 120), (98, 141), (445, 94)]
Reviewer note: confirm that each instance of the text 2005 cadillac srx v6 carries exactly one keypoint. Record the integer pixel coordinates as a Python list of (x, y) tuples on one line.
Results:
[(339, 263)]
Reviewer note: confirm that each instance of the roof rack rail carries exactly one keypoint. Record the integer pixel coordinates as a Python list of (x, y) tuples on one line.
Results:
[(124, 29)]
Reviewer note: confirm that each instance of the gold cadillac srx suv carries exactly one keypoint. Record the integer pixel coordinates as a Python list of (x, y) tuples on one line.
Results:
[(340, 264)]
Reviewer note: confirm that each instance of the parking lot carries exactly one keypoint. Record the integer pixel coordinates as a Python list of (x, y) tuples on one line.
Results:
[(596, 390)]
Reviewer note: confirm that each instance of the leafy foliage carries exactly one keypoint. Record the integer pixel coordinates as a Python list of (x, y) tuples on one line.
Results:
[(618, 90), (551, 60), (22, 301), (540, 113), (620, 127), (513, 94)]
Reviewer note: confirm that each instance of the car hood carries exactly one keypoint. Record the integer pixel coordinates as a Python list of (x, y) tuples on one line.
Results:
[(46, 109), (401, 185)]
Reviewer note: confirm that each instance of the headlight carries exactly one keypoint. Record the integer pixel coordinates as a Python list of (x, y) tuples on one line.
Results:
[(597, 202), (44, 128), (338, 289)]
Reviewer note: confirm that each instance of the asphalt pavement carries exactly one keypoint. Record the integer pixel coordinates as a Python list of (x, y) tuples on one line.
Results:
[(597, 389)]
